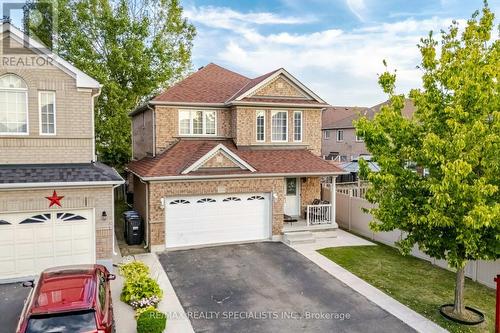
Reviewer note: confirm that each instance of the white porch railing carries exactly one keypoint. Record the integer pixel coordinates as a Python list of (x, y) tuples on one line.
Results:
[(319, 214)]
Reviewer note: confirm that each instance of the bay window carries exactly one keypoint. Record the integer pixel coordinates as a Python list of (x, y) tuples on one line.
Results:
[(279, 126), (197, 122), (13, 105)]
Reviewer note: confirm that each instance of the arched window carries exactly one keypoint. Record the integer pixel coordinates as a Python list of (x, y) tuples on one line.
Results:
[(13, 105)]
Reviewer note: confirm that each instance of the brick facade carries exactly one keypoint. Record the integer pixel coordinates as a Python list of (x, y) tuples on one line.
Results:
[(97, 198), (219, 160), (167, 125), (73, 141), (309, 190), (246, 128), (279, 87), (158, 190), (142, 135)]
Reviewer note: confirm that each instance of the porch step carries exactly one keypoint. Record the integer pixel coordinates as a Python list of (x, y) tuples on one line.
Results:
[(298, 237)]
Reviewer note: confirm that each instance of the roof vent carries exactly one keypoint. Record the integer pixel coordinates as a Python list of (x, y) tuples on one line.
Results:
[(201, 67)]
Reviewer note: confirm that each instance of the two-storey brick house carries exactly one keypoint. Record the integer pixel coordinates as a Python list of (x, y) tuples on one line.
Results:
[(220, 157), (56, 202)]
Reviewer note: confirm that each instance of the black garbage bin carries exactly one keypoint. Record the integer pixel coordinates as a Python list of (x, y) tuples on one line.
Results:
[(133, 228)]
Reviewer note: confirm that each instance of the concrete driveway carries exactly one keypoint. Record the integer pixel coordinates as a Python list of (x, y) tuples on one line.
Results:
[(12, 298), (268, 287)]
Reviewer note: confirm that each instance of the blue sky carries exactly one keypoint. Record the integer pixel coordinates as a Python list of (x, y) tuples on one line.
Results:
[(335, 47)]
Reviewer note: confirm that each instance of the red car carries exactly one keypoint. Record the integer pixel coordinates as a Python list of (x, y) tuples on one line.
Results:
[(74, 299)]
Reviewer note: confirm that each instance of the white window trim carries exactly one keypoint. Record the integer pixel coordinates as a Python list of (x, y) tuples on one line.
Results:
[(286, 120), (337, 135), (40, 112), (27, 110), (327, 137), (301, 126), (203, 123), (257, 114), (359, 139)]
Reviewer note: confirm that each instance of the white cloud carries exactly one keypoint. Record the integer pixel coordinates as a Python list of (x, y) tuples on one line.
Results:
[(223, 17), (340, 65), (357, 7)]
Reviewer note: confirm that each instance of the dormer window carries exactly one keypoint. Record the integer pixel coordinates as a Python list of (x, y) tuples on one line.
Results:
[(13, 105), (197, 122)]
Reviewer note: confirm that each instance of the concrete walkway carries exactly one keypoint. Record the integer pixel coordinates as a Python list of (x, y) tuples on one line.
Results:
[(177, 320), (342, 238)]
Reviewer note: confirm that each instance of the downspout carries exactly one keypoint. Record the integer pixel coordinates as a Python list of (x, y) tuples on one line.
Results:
[(154, 128), (94, 155), (113, 217), (146, 218)]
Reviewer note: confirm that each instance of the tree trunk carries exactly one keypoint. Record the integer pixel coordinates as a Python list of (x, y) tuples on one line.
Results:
[(459, 307)]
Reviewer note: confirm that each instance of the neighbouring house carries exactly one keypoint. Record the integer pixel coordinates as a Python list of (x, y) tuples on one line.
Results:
[(339, 140), (220, 157), (56, 201)]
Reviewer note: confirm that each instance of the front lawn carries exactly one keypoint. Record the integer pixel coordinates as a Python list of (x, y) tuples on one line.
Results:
[(414, 282)]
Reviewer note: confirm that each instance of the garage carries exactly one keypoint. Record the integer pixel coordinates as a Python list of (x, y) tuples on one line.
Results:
[(213, 219), (31, 242)]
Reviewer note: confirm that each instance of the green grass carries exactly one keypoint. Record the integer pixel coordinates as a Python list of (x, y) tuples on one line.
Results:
[(414, 282)]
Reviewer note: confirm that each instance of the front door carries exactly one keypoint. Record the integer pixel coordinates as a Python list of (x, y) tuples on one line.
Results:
[(292, 196)]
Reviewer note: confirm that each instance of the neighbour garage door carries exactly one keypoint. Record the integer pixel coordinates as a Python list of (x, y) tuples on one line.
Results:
[(212, 219), (31, 242)]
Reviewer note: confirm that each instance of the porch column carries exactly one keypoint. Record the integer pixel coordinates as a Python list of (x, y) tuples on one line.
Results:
[(334, 200)]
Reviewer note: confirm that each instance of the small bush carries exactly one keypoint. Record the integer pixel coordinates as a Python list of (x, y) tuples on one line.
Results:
[(134, 270), (151, 321), (140, 311), (135, 290)]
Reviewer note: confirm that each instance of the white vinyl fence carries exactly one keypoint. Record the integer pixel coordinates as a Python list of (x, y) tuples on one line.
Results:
[(349, 215)]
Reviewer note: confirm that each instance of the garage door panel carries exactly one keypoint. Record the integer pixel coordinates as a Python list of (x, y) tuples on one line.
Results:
[(6, 251), (7, 267), (35, 241), (25, 234), (81, 246), (221, 221), (6, 234)]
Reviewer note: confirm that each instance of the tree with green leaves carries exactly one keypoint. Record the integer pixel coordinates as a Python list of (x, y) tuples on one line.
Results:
[(452, 210), (134, 48)]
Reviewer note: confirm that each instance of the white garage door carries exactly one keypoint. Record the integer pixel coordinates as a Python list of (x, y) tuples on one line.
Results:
[(212, 219), (31, 242)]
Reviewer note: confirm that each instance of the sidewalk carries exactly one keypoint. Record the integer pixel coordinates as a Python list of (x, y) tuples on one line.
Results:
[(177, 321), (327, 239)]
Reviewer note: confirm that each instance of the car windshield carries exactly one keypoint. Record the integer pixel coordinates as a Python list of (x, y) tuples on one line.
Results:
[(75, 322)]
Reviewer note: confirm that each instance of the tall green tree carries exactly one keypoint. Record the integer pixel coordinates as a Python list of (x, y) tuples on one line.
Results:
[(452, 210), (134, 48)]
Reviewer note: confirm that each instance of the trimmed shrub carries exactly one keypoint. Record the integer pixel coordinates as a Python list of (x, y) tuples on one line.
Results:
[(134, 270), (140, 311), (141, 292), (151, 321)]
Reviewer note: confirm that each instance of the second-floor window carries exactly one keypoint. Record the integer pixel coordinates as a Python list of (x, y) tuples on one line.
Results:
[(279, 126), (196, 122), (297, 126), (13, 105), (260, 124), (327, 134), (47, 100), (340, 135)]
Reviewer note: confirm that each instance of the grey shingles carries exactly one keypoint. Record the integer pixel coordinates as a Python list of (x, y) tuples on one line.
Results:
[(47, 173)]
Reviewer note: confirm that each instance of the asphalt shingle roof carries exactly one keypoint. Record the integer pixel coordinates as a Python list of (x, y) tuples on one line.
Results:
[(57, 173), (265, 161)]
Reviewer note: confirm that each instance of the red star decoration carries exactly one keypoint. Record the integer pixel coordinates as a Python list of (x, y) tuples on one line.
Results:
[(55, 199)]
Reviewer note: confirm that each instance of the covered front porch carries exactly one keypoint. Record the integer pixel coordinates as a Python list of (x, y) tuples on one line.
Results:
[(309, 204)]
